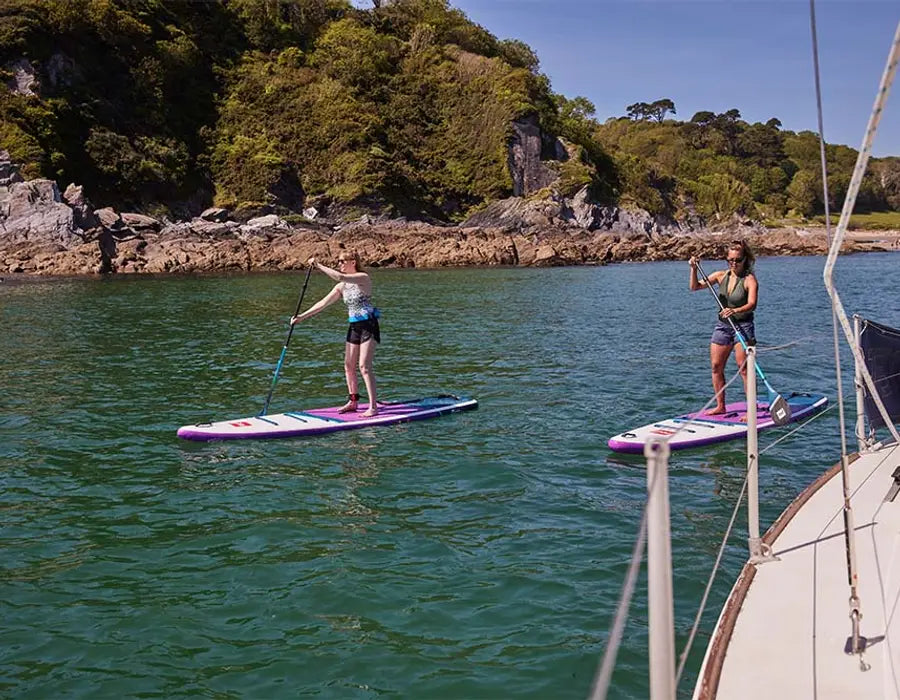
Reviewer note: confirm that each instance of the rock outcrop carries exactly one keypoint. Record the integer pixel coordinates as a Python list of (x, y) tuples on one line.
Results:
[(528, 150)]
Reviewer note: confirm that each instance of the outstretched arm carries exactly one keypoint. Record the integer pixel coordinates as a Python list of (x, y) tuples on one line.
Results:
[(323, 303), (337, 276)]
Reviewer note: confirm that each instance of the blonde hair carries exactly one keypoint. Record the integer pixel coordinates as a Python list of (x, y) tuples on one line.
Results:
[(746, 252), (354, 256)]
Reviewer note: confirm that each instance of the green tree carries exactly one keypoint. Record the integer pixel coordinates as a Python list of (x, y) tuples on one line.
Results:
[(518, 54), (642, 186), (276, 24), (803, 193), (887, 171), (718, 196), (729, 126), (761, 144), (660, 108), (153, 165), (638, 111), (355, 55)]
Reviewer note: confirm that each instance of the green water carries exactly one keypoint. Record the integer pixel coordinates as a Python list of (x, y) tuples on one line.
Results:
[(477, 555)]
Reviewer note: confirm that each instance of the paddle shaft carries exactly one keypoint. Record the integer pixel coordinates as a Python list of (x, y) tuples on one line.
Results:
[(286, 343), (737, 331)]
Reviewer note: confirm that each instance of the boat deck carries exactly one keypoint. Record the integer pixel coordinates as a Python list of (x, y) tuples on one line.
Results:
[(783, 631)]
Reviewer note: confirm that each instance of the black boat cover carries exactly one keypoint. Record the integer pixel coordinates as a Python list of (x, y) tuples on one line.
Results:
[(881, 350)]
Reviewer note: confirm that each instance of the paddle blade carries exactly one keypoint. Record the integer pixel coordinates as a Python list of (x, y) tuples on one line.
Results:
[(780, 410)]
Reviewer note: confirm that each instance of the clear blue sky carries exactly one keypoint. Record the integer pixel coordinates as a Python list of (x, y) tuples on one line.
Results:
[(751, 55)]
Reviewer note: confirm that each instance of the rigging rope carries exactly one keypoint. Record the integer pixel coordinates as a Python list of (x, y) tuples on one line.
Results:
[(603, 677), (604, 673), (725, 537), (853, 189), (856, 642), (709, 583)]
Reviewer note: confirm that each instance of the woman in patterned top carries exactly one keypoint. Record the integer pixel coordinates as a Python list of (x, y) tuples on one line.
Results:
[(354, 286), (738, 291)]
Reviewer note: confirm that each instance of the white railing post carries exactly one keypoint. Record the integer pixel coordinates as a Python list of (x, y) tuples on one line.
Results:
[(659, 572), (759, 551), (858, 384), (752, 456)]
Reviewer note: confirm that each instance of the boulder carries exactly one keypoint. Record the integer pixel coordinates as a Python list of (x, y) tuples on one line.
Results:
[(24, 80), (267, 221), (82, 210), (140, 222), (110, 219), (34, 211), (9, 171), (214, 214), (213, 229)]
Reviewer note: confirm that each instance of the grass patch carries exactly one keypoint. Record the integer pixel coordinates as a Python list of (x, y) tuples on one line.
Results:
[(874, 221)]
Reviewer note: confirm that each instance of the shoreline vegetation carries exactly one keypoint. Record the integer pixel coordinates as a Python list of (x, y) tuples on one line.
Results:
[(248, 135)]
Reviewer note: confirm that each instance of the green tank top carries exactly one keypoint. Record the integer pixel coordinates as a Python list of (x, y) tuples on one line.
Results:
[(737, 298)]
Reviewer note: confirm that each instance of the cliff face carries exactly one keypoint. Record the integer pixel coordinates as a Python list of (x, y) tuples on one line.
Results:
[(528, 150)]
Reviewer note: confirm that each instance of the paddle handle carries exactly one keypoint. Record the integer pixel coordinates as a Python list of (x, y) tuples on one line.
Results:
[(287, 342), (737, 332)]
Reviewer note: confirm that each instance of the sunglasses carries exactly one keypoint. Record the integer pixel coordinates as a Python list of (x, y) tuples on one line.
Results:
[(734, 260)]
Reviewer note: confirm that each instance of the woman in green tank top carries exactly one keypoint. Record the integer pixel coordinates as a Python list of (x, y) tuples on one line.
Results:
[(738, 291)]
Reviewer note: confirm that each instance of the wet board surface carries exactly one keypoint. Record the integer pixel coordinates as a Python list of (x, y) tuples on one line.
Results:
[(326, 420), (698, 429)]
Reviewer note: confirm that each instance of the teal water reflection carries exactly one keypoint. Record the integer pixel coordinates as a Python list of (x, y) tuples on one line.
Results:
[(475, 555)]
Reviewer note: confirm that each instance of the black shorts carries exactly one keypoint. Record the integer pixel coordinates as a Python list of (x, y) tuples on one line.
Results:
[(361, 331)]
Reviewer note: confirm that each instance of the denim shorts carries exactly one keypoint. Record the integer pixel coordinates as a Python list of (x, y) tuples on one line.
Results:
[(723, 333)]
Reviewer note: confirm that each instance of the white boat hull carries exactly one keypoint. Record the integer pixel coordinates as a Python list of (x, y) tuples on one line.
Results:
[(783, 631)]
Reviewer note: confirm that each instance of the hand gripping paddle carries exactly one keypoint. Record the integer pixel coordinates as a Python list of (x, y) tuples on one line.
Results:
[(779, 409)]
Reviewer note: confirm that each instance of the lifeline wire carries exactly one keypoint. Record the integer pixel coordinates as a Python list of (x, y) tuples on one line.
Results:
[(712, 577), (605, 671), (603, 677)]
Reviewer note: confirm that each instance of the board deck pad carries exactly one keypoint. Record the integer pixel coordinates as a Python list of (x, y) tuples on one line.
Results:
[(326, 420), (697, 429)]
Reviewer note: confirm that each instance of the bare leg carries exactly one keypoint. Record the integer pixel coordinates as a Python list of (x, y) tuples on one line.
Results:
[(351, 355), (366, 357), (718, 357), (740, 355)]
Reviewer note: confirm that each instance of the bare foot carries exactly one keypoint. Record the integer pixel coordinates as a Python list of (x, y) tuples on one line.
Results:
[(348, 407), (718, 410), (373, 411)]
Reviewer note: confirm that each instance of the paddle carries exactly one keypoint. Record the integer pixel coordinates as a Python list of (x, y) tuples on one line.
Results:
[(779, 409), (286, 343)]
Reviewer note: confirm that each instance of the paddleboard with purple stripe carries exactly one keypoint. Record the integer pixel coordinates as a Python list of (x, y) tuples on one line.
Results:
[(697, 429), (326, 420)]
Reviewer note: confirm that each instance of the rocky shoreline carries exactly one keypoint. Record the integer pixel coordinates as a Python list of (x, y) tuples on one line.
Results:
[(402, 245), (47, 233)]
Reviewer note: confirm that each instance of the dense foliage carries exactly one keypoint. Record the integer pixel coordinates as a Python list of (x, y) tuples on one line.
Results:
[(407, 107), (716, 165)]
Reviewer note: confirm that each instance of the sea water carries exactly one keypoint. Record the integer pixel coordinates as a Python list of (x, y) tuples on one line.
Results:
[(478, 555)]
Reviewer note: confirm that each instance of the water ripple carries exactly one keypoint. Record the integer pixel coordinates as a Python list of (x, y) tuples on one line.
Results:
[(477, 555)]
